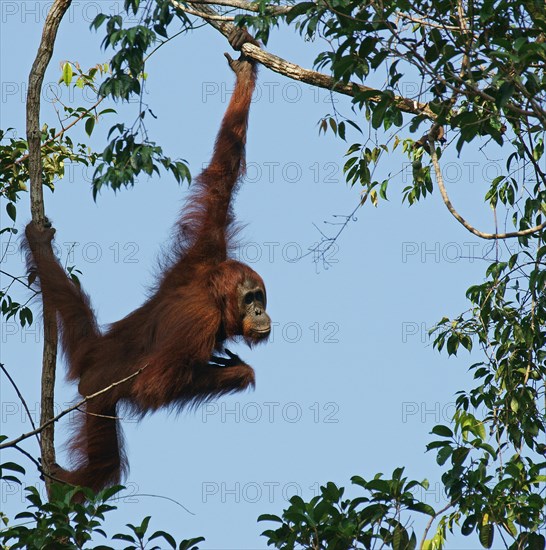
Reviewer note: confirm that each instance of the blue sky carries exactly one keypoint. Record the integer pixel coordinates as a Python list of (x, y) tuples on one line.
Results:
[(349, 383)]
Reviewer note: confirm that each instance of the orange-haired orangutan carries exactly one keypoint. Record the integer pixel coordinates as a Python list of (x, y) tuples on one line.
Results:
[(177, 337)]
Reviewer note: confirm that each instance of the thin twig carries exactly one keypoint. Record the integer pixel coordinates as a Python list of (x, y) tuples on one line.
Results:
[(161, 44), (227, 18), (18, 279), (64, 130), (431, 521), (164, 498), (39, 467), (248, 6), (30, 457), (51, 421), (425, 23), (20, 396)]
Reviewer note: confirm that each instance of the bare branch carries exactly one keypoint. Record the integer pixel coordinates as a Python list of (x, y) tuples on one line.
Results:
[(458, 217), (30, 457), (425, 22), (164, 498), (54, 419), (248, 6), (21, 398), (18, 279), (206, 16)]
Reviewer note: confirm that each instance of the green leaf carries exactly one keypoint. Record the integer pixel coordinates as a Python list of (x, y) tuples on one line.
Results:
[(67, 73), (269, 517), (468, 525), (126, 538), (11, 210), (25, 316), (299, 9), (109, 492), (341, 130), (443, 454), (442, 431), (379, 113), (89, 125), (486, 535), (12, 466), (166, 536), (98, 21), (459, 455), (504, 94), (189, 544), (452, 344), (422, 507)]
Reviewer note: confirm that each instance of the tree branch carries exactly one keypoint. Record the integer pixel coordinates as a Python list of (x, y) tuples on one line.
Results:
[(458, 217), (19, 395), (35, 81), (431, 521), (314, 78), (248, 6), (426, 23), (50, 421), (18, 279), (226, 18), (64, 130)]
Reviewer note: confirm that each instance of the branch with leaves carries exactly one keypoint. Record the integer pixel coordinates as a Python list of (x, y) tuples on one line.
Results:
[(295, 72)]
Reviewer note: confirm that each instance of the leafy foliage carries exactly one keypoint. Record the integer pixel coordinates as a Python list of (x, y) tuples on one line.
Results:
[(480, 66), (481, 71), (63, 525), (130, 152), (125, 157), (329, 521)]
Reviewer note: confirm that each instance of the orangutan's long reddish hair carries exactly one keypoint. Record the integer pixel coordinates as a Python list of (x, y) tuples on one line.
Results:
[(203, 299)]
